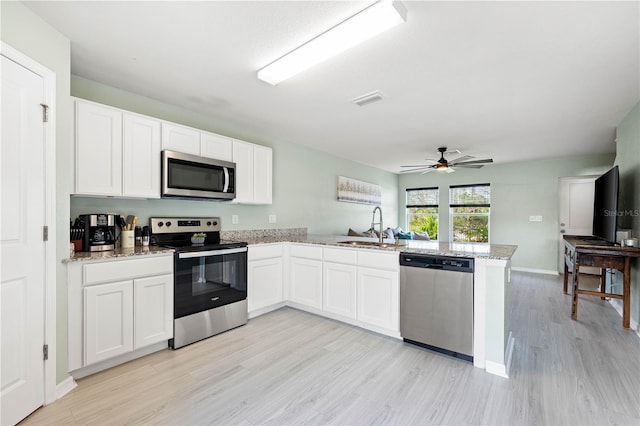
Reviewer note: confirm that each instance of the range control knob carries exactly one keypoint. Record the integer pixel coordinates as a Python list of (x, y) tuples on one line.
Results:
[(160, 224), (209, 223), (168, 223), (215, 223)]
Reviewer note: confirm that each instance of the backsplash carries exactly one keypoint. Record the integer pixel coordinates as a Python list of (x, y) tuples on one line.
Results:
[(252, 234)]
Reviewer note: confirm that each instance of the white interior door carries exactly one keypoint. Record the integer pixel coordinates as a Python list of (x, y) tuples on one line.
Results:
[(21, 242), (576, 212)]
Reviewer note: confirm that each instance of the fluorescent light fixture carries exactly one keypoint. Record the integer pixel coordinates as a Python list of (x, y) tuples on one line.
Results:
[(365, 24)]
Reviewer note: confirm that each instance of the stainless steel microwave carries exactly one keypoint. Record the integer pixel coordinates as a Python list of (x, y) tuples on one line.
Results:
[(191, 176)]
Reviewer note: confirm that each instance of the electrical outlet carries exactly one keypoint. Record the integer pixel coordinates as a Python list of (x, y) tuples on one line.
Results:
[(234, 219), (535, 218), (272, 218)]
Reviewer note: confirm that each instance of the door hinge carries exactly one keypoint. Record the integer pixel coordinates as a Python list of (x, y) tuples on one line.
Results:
[(45, 113), (45, 352), (45, 233)]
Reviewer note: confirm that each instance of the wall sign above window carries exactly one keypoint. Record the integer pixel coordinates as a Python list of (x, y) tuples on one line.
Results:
[(357, 191)]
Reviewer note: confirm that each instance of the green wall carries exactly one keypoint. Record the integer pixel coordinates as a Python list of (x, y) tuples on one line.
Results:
[(32, 36), (304, 180), (518, 190), (628, 160)]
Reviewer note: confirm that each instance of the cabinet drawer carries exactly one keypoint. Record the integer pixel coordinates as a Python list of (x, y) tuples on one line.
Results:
[(119, 270), (349, 257), (373, 259), (306, 251), (264, 251)]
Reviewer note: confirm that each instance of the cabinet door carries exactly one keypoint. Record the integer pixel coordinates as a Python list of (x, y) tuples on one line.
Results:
[(141, 156), (153, 307), (180, 138), (243, 157), (98, 155), (216, 146), (108, 320), (262, 174), (378, 298), (265, 283), (305, 286), (339, 289)]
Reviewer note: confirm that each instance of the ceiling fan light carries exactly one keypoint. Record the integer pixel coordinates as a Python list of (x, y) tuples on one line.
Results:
[(441, 166), (362, 26)]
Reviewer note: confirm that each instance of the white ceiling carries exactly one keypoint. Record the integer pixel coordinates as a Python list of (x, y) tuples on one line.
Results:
[(509, 80)]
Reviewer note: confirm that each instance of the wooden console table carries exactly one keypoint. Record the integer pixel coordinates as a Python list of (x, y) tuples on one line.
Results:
[(595, 252)]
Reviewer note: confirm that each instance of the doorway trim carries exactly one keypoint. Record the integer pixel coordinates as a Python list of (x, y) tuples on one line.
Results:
[(50, 286)]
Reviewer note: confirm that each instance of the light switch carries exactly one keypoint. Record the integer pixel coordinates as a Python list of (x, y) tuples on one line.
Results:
[(234, 219), (272, 218), (535, 218)]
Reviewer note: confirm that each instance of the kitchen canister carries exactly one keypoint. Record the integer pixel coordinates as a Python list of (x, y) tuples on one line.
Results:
[(127, 239), (630, 242)]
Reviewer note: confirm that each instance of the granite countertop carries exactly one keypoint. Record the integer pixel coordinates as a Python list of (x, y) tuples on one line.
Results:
[(120, 252), (486, 251)]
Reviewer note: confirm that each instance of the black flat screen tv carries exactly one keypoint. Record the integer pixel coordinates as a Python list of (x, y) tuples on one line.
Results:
[(605, 205)]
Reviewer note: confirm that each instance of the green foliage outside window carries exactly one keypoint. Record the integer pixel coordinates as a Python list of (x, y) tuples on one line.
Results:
[(424, 220)]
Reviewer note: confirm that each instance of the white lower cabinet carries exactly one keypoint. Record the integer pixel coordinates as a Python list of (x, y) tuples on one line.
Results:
[(128, 315), (265, 278), (305, 285), (339, 289), (153, 308), (108, 321), (378, 298), (116, 308)]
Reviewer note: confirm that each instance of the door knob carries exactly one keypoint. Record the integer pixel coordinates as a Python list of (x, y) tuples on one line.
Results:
[(562, 224)]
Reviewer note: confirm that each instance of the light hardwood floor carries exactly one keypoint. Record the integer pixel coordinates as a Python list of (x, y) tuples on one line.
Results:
[(290, 367)]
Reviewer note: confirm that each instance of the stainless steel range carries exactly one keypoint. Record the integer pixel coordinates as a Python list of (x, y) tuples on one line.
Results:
[(210, 277)]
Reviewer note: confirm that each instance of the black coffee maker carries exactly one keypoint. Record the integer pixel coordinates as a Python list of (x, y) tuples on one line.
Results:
[(99, 232)]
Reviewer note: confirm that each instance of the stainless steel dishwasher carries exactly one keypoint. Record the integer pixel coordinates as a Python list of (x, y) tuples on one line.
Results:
[(436, 303)]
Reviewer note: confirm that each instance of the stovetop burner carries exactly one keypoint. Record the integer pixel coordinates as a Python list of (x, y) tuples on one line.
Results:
[(176, 233)]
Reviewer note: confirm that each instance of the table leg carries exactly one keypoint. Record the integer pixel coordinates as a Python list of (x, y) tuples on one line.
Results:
[(626, 302), (566, 278), (603, 282), (574, 289)]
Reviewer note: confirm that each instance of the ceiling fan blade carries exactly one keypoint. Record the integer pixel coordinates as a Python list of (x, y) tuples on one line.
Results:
[(427, 171), (470, 166), (452, 151), (488, 160), (419, 165), (415, 170), (450, 169), (460, 159)]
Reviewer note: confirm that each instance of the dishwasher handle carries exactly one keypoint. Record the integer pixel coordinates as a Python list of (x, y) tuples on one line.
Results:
[(447, 263)]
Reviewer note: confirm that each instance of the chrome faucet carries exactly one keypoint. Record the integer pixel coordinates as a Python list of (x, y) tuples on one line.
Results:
[(373, 221)]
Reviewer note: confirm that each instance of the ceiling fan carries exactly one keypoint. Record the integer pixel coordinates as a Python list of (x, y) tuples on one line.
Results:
[(444, 165)]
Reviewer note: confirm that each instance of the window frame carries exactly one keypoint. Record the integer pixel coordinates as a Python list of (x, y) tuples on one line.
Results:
[(452, 215), (432, 206)]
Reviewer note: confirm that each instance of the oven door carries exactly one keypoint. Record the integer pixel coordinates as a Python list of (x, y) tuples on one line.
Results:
[(191, 176), (208, 279)]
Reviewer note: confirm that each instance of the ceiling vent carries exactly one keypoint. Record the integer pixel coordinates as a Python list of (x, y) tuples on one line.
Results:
[(368, 98)]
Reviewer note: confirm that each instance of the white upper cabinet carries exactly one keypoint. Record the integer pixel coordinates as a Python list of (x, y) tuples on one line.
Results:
[(216, 146), (180, 138), (254, 173), (141, 156), (98, 154)]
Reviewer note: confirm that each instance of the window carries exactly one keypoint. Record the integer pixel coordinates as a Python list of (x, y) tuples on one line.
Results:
[(469, 213), (422, 211)]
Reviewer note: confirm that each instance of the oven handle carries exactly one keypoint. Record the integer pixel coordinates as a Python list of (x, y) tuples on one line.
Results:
[(211, 253)]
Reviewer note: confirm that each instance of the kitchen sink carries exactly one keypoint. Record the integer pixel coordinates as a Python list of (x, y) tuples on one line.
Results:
[(366, 244)]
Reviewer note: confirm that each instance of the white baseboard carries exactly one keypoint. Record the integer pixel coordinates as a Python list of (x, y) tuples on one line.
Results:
[(535, 271), (64, 387), (498, 369), (632, 324), (121, 359)]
